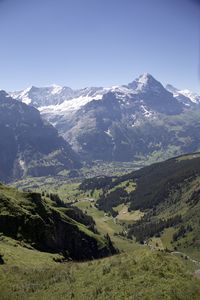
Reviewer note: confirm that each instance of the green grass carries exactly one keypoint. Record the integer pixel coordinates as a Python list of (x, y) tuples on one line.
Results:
[(167, 237), (39, 221), (155, 243), (66, 189), (127, 185), (19, 254), (125, 216), (140, 274), (107, 224), (69, 192)]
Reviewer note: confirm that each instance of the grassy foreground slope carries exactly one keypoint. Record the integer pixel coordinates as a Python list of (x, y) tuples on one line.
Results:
[(141, 274)]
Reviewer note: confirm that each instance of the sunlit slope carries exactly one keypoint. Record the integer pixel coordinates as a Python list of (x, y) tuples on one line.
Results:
[(142, 274), (167, 193)]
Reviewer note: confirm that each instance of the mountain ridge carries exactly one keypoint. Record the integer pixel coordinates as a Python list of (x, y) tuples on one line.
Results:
[(123, 123), (66, 93)]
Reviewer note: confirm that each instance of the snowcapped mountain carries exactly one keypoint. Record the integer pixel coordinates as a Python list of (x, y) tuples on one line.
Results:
[(186, 97), (143, 98), (195, 98), (114, 123), (66, 97), (43, 96), (146, 83), (57, 100)]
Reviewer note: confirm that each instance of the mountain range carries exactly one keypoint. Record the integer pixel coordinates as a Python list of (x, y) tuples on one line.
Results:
[(121, 123), (56, 95)]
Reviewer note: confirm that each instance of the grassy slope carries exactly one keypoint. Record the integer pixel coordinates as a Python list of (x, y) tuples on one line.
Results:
[(70, 193), (107, 224), (137, 274), (47, 225), (140, 274), (165, 190), (179, 201)]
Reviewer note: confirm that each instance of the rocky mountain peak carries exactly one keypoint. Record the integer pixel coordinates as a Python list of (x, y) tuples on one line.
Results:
[(145, 83)]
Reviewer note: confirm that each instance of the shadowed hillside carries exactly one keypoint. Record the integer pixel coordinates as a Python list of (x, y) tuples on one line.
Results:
[(50, 226)]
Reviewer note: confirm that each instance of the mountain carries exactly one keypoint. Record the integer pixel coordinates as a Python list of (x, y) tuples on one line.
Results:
[(64, 99), (121, 123), (185, 97), (154, 95), (28, 144), (47, 224), (53, 95), (38, 97), (167, 194)]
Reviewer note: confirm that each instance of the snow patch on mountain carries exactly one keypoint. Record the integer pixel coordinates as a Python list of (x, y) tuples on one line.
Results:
[(108, 132), (69, 105), (142, 82), (195, 98), (56, 89), (146, 83), (22, 96), (147, 113), (187, 97)]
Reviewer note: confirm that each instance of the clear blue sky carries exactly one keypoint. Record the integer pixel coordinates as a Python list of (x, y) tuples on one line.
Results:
[(82, 43)]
